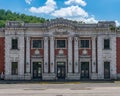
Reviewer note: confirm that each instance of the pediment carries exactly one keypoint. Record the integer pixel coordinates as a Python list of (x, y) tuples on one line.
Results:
[(60, 22), (61, 30)]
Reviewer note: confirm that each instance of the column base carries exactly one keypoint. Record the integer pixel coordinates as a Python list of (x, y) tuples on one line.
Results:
[(27, 76), (94, 76), (118, 76), (113, 76), (73, 76), (49, 76)]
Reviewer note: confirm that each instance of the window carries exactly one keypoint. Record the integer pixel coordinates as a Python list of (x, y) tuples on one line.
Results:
[(37, 43), (106, 44), (61, 44), (14, 68), (14, 43), (84, 43)]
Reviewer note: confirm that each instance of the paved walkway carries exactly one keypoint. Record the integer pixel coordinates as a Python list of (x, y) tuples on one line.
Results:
[(54, 82), (81, 89)]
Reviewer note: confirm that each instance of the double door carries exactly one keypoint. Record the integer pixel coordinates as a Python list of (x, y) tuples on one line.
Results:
[(84, 70), (61, 70), (37, 70)]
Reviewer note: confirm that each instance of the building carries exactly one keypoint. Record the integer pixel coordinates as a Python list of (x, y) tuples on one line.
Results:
[(60, 49)]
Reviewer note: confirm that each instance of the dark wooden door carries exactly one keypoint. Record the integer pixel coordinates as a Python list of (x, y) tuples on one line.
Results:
[(37, 70), (106, 70), (61, 70), (85, 70)]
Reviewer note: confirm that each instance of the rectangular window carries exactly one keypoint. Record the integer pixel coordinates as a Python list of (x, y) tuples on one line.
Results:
[(106, 43), (61, 44), (14, 68), (84, 43), (14, 43), (36, 43)]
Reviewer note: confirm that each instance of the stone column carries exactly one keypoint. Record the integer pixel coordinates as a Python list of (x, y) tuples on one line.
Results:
[(27, 55), (70, 55), (21, 43), (45, 54), (7, 56), (93, 54), (94, 75), (52, 54), (76, 57)]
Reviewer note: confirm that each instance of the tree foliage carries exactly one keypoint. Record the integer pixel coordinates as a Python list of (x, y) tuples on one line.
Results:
[(7, 15)]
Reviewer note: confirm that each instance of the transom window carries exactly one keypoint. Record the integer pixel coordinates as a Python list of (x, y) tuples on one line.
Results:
[(14, 68), (84, 44), (61, 43), (36, 43), (14, 43), (106, 43)]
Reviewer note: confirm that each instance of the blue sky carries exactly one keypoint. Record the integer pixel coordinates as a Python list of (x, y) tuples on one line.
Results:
[(89, 11)]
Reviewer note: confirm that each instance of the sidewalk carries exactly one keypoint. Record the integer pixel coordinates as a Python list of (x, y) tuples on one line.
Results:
[(55, 82)]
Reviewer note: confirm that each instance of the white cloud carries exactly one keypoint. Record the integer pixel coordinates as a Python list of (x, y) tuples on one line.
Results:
[(88, 20), (79, 2), (117, 23), (70, 12), (49, 7), (28, 1)]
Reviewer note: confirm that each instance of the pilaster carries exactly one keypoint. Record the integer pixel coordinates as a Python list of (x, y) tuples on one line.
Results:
[(70, 55), (52, 54), (94, 75), (27, 54), (76, 57), (21, 43), (27, 75), (45, 54)]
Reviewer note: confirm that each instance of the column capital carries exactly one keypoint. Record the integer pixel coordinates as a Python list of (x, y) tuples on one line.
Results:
[(94, 37), (45, 38), (76, 38), (70, 38), (52, 37)]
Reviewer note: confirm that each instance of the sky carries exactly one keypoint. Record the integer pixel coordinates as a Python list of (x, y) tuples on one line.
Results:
[(89, 11)]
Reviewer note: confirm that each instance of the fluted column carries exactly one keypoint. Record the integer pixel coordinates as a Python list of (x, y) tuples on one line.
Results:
[(27, 54), (52, 54), (46, 54), (70, 54), (76, 57)]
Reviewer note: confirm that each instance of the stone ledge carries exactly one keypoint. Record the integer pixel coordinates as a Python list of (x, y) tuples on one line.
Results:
[(49, 76), (73, 76), (17, 77), (94, 76)]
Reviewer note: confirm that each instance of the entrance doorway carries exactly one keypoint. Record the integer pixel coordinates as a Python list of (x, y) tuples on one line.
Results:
[(61, 70), (84, 70), (106, 70), (37, 70)]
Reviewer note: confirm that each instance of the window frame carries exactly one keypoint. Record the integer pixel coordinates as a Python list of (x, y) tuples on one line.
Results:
[(108, 48), (14, 70), (41, 44), (59, 47), (13, 45), (84, 47)]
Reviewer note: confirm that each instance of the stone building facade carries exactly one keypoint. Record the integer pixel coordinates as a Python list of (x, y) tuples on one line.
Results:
[(60, 49)]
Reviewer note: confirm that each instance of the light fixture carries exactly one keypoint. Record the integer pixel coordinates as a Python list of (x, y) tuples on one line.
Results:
[(45, 63), (51, 63)]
